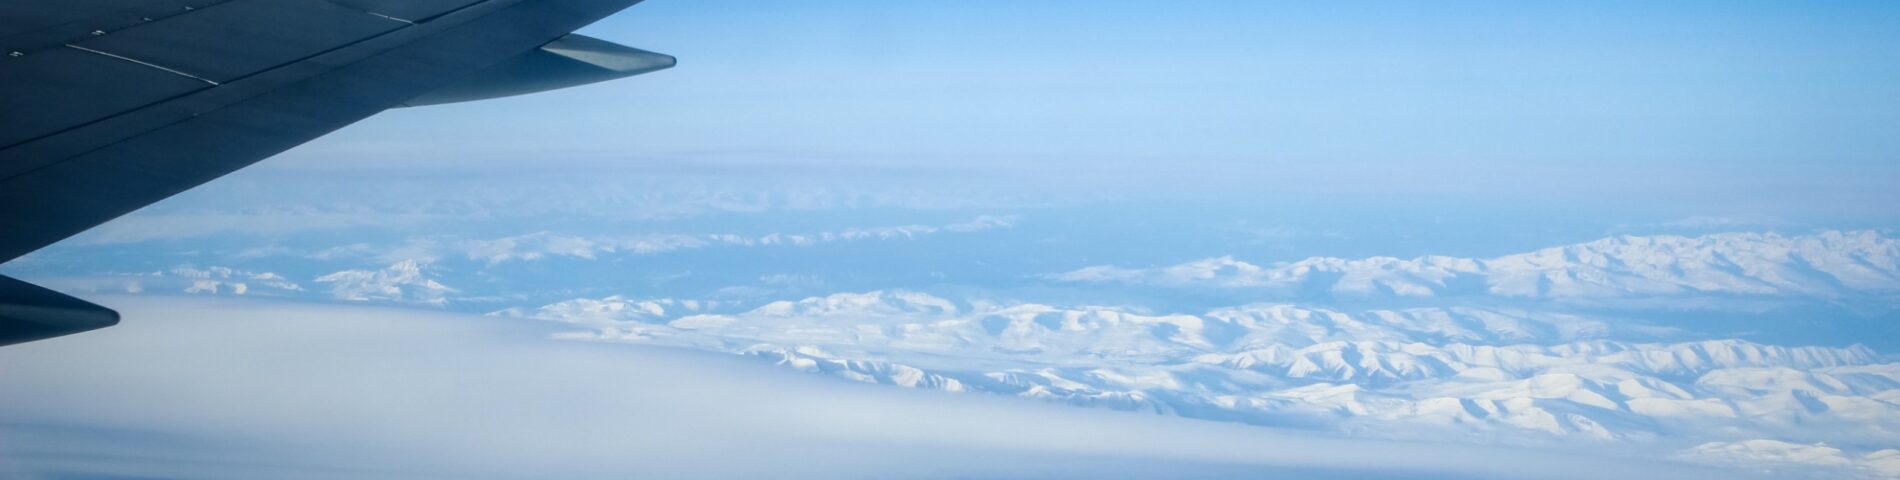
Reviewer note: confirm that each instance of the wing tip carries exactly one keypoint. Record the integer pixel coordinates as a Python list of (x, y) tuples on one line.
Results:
[(30, 312)]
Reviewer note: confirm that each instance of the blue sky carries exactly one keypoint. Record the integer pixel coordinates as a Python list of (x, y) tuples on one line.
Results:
[(1368, 83), (1145, 132), (1690, 106)]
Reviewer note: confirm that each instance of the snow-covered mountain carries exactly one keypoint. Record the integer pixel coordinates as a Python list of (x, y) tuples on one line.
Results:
[(1527, 377), (1826, 265), (404, 281)]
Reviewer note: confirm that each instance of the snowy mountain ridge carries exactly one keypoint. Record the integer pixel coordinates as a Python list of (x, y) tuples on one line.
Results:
[(403, 281), (1524, 376), (1826, 264)]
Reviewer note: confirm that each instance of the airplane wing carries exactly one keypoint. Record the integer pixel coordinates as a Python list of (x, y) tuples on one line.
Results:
[(110, 105)]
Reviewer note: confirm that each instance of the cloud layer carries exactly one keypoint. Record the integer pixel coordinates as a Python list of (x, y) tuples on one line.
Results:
[(244, 389)]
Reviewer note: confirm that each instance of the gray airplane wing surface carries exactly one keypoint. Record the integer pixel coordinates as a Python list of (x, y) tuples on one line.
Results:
[(110, 105)]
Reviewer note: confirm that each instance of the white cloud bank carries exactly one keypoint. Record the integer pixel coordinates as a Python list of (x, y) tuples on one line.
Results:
[(1772, 457), (189, 279), (226, 388), (540, 245)]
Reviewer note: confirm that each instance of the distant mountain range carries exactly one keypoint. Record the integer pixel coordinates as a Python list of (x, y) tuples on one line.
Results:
[(1826, 265)]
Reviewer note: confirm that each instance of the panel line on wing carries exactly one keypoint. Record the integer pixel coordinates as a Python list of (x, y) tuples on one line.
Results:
[(160, 67), (391, 18), (407, 11)]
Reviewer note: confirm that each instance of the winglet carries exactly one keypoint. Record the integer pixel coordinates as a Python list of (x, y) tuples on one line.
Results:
[(568, 61)]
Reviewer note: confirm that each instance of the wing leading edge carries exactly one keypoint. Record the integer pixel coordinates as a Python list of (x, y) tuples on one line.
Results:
[(110, 105)]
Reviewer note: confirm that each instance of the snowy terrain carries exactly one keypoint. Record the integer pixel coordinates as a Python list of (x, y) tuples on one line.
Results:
[(1512, 350), (1474, 372), (1523, 372), (1828, 265)]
